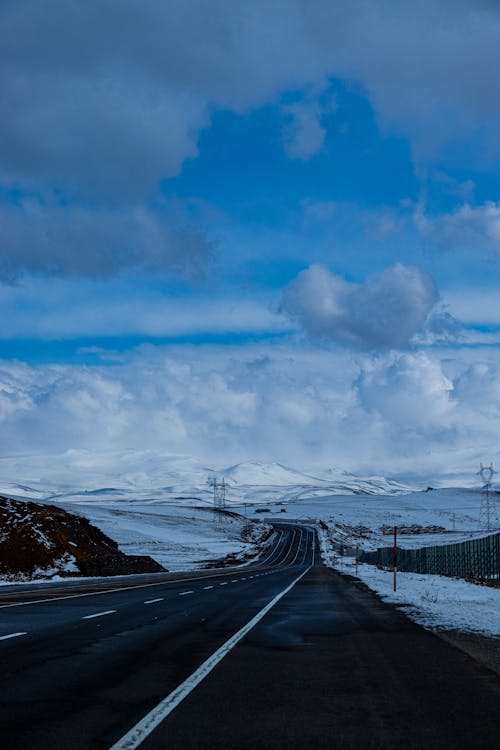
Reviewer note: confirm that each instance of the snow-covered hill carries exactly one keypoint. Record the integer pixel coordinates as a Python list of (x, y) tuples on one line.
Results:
[(162, 505), (181, 479)]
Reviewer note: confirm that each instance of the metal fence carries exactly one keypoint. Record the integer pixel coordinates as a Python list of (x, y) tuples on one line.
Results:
[(475, 558)]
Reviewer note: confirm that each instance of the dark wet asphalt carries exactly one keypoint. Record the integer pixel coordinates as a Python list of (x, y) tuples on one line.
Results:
[(330, 666), (72, 682)]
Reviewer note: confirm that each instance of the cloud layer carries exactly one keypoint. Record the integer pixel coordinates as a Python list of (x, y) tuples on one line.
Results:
[(103, 100), (110, 96), (410, 412), (47, 237), (470, 227)]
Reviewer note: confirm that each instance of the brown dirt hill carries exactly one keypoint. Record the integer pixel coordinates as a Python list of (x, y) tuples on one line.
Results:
[(40, 541)]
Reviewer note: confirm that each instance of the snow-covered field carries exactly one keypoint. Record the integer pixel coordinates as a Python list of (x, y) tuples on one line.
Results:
[(456, 510), (178, 537), (437, 602), (162, 505)]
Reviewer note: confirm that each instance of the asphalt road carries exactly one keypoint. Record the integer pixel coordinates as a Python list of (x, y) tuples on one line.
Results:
[(320, 663)]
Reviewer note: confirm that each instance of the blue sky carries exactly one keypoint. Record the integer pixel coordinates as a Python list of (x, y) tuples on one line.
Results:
[(265, 193)]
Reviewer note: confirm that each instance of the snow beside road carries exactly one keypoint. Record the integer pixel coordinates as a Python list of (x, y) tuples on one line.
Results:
[(178, 537), (162, 505), (436, 602)]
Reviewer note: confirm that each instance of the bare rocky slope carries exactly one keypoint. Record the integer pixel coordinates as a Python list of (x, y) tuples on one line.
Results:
[(40, 541)]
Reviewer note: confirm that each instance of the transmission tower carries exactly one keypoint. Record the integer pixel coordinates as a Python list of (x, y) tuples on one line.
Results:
[(488, 518), (220, 489)]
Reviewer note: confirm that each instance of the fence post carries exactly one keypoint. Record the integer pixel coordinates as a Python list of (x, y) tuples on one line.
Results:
[(395, 555)]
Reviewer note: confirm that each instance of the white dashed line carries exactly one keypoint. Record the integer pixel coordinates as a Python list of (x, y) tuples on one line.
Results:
[(152, 601), (235, 580), (11, 635), (207, 587), (99, 614), (223, 584), (185, 593)]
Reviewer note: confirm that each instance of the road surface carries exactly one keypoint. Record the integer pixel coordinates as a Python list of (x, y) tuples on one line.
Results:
[(284, 653)]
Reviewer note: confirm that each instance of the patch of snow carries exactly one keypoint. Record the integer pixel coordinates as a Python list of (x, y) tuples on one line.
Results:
[(41, 536), (436, 602)]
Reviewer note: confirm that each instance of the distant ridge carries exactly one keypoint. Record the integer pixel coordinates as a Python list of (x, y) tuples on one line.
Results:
[(147, 476)]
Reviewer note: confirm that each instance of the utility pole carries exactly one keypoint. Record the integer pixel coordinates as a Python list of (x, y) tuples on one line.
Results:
[(395, 555)]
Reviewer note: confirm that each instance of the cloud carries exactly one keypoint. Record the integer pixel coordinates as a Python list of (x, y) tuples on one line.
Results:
[(384, 312), (467, 227), (304, 131), (395, 412), (129, 306), (479, 387), (109, 98), (477, 305), (409, 391), (49, 238), (101, 101)]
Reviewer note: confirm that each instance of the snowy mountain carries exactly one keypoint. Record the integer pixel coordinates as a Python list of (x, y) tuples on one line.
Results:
[(162, 505), (258, 473), (251, 479), (150, 476)]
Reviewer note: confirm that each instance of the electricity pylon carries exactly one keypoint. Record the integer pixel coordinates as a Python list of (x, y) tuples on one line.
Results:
[(220, 489), (488, 519)]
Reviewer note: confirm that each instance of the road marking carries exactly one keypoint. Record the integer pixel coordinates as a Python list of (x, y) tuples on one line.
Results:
[(111, 591), (152, 601), (148, 724), (11, 635), (223, 584), (261, 564), (235, 580), (298, 547), (185, 593), (99, 614), (207, 587)]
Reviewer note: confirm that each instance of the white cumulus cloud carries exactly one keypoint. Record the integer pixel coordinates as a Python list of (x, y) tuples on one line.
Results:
[(386, 311), (412, 412)]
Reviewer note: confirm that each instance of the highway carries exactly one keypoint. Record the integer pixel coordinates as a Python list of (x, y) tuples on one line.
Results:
[(281, 653)]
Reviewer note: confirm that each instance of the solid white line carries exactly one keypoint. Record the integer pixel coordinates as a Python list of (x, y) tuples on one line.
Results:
[(185, 593), (99, 614), (298, 548), (11, 635), (152, 601), (146, 725)]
